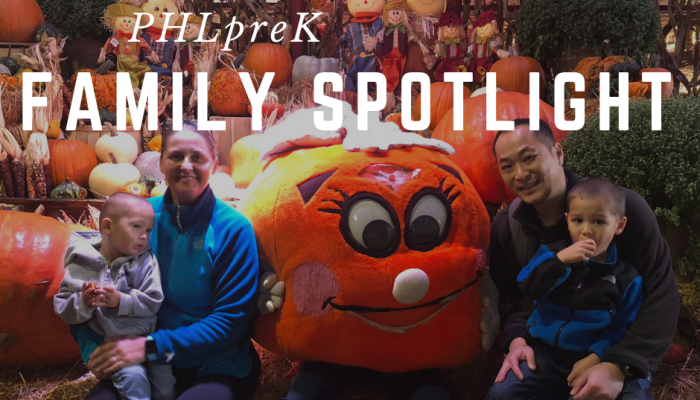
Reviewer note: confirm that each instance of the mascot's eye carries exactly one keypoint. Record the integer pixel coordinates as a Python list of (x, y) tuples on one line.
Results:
[(428, 221), (371, 226)]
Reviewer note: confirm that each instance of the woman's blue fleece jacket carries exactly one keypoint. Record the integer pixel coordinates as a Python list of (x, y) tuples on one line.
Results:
[(209, 266), (586, 306)]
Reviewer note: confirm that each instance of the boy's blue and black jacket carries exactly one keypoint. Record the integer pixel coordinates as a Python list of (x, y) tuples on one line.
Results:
[(585, 306)]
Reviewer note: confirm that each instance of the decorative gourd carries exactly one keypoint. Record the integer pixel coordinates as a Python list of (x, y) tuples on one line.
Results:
[(473, 145), (68, 190), (31, 264), (268, 57), (122, 145), (591, 67), (245, 159), (54, 131), (150, 182), (224, 169), (71, 159), (159, 190), (49, 30), (480, 91), (155, 143), (637, 90), (4, 70), (222, 185), (138, 189), (631, 68), (227, 95), (308, 67), (19, 21), (441, 101), (395, 118), (105, 87), (513, 74), (107, 179), (107, 115), (148, 163), (10, 63)]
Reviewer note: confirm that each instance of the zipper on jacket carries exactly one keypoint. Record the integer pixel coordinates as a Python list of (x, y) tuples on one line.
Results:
[(178, 217), (561, 328)]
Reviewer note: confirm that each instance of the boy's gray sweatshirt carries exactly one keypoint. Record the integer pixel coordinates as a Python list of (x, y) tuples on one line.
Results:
[(137, 277)]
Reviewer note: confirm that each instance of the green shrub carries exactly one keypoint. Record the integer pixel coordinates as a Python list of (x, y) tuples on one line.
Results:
[(76, 18), (548, 28), (662, 166)]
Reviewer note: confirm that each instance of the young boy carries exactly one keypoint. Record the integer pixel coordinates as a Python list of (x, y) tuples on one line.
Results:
[(586, 298), (112, 280)]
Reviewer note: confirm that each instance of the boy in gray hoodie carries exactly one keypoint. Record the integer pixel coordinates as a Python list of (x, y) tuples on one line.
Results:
[(112, 280)]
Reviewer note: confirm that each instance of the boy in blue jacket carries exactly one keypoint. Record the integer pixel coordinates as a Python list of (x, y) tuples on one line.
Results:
[(586, 298)]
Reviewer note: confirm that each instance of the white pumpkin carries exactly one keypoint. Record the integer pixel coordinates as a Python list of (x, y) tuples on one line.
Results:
[(122, 145), (108, 178), (223, 186), (308, 67), (148, 163), (480, 91)]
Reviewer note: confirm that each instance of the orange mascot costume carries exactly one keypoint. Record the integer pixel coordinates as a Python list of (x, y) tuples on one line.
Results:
[(381, 243)]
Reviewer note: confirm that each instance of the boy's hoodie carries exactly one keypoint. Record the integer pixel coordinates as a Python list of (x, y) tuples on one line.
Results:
[(137, 277)]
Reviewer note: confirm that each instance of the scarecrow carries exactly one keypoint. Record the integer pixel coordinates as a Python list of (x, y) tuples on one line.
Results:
[(423, 16), (484, 49), (121, 20), (188, 48), (397, 35), (165, 52), (450, 45)]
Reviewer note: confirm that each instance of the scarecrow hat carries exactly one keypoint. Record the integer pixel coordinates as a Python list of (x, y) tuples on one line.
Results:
[(450, 18), (192, 19), (395, 4), (118, 10), (485, 18)]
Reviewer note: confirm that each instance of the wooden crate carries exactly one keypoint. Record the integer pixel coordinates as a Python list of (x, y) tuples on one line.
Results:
[(87, 135), (236, 128), (53, 207)]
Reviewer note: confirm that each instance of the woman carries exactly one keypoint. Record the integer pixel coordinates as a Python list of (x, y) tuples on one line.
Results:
[(209, 266)]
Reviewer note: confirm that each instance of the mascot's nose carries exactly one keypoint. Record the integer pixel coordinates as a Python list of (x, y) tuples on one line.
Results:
[(410, 286)]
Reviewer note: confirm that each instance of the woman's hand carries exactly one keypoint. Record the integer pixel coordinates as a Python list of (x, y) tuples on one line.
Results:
[(110, 357)]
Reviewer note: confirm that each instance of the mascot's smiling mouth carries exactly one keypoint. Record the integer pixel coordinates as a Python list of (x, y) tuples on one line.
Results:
[(443, 301)]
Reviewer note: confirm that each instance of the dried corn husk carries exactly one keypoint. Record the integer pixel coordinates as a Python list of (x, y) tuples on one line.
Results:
[(37, 152), (14, 187), (6, 173)]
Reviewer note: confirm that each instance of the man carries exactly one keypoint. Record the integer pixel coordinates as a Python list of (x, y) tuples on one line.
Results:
[(531, 165)]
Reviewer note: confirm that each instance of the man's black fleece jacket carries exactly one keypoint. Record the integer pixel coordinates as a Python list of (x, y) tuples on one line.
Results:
[(641, 244)]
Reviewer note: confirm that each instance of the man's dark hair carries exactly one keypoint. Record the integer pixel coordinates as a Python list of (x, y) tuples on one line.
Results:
[(544, 135), (600, 188)]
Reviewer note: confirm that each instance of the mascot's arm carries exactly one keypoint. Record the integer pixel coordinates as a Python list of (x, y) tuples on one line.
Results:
[(270, 289)]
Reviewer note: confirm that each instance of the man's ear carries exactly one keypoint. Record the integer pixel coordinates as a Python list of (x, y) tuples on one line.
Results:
[(106, 225), (621, 225), (559, 153)]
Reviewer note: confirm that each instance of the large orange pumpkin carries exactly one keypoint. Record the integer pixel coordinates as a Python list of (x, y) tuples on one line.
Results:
[(441, 101), (473, 146), (313, 211), (513, 74), (245, 159), (227, 95), (105, 87), (269, 57), (71, 159), (19, 21), (549, 117), (666, 87), (591, 67), (31, 264)]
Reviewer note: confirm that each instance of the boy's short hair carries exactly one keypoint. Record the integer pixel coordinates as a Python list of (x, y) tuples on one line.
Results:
[(603, 188), (119, 204)]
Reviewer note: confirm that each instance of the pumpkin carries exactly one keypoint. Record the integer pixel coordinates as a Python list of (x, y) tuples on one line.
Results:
[(666, 87), (637, 90), (71, 159), (122, 145), (267, 109), (68, 190), (591, 67), (31, 262), (227, 95), (396, 118), (473, 146), (159, 190), (105, 87), (8, 82), (155, 143), (269, 57), (54, 131), (222, 185), (298, 207), (49, 30), (107, 115), (308, 67), (150, 182), (148, 163), (549, 117), (631, 68), (4, 70), (513, 74), (19, 21), (139, 189), (224, 169), (441, 101), (480, 91), (245, 159), (10, 63), (107, 179)]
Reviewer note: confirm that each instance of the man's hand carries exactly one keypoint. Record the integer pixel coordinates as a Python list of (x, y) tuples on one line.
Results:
[(582, 366), (579, 251), (89, 295), (519, 351), (108, 297), (600, 382)]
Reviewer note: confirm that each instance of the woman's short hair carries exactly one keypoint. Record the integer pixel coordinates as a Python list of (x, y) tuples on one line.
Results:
[(192, 127)]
